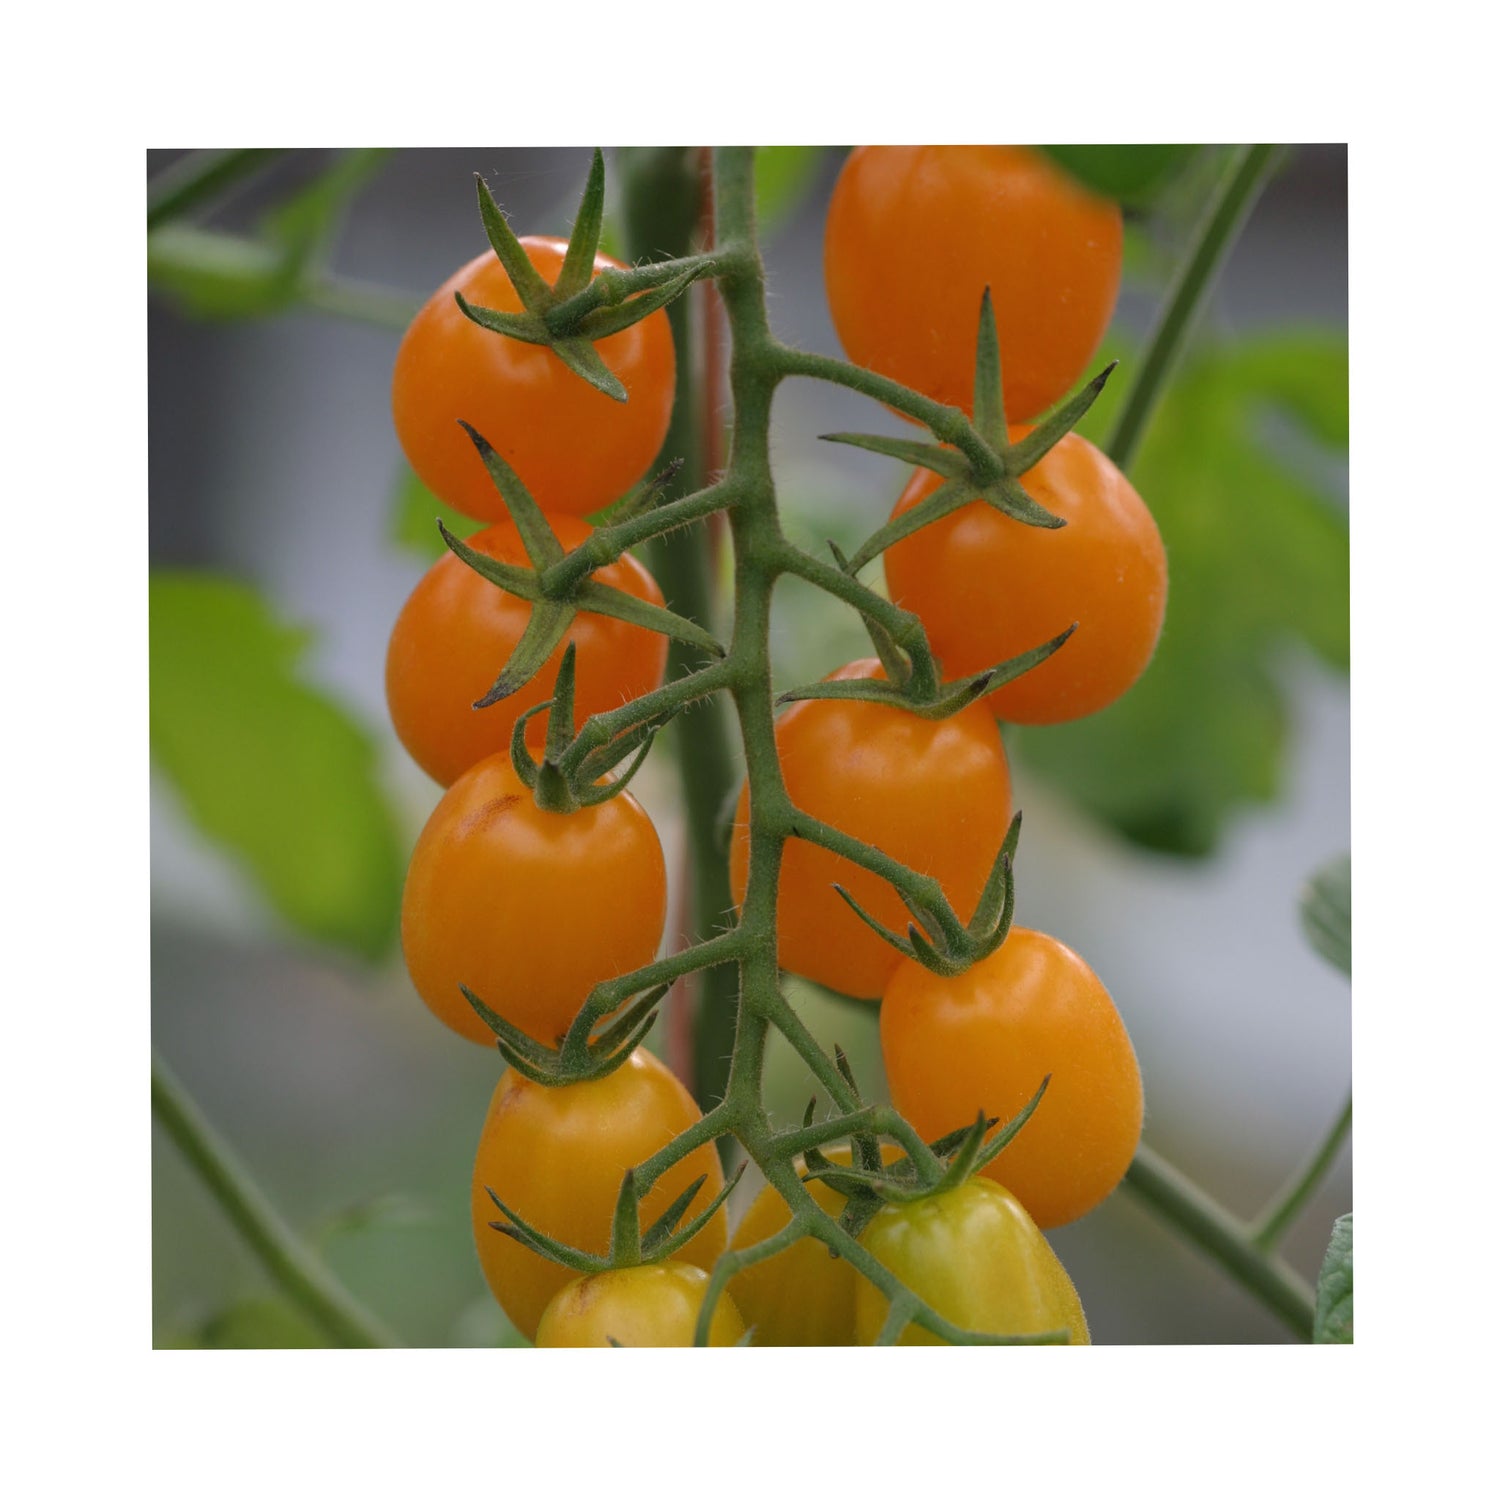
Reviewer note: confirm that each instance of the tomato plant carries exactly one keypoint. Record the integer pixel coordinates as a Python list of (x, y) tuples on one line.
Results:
[(525, 400), (975, 1255), (988, 587), (916, 233), (457, 630), (556, 1155), (650, 1307), (932, 793), (493, 875), (985, 1040)]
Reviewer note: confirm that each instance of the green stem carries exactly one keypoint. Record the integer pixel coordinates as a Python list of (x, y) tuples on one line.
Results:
[(1245, 174), (197, 177), (289, 1263), (1282, 1211), (1214, 1229)]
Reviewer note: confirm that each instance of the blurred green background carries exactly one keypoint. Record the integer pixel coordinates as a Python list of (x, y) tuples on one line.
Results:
[(1166, 839)]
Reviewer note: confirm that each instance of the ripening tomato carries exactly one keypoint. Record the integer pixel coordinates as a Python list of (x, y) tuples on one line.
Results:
[(986, 1038), (636, 1307), (973, 1255), (803, 1295), (529, 909), (916, 233), (575, 448), (934, 794), (457, 630), (988, 587), (556, 1156)]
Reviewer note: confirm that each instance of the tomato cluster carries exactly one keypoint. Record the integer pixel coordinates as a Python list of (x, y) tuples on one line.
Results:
[(521, 908)]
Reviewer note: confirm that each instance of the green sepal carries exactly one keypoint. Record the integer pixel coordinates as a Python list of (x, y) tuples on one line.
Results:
[(542, 546), (841, 1062), (605, 758), (955, 697), (1011, 1128), (508, 1032), (962, 1162), (946, 1145), (674, 1243), (603, 600), (858, 1211), (948, 497), (625, 1233), (1028, 451), (547, 626), (670, 1217), (521, 759), (544, 1245), (945, 461), (1007, 496), (626, 1026), (521, 582), (989, 398), (580, 356), (560, 716), (591, 795), (604, 321), (640, 498), (901, 945), (533, 291), (522, 327), (578, 263)]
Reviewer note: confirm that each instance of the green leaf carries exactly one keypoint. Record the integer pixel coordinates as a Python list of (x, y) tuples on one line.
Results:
[(415, 512), (1333, 1314), (269, 768), (1325, 912), (784, 176), (1129, 174), (1258, 548)]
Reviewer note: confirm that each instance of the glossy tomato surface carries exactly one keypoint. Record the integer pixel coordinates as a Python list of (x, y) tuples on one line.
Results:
[(802, 1296), (916, 233), (986, 1038), (556, 1157), (457, 630), (934, 794), (639, 1307), (529, 909), (989, 588), (973, 1255), (575, 448)]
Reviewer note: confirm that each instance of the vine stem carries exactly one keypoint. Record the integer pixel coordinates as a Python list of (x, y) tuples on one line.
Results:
[(1245, 174), (304, 1279), (1182, 1203)]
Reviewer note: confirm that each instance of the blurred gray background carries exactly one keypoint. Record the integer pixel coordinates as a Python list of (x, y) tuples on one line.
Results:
[(272, 458)]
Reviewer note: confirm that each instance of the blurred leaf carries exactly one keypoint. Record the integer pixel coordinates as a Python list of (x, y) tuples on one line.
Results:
[(261, 1323), (1333, 1315), (1259, 558), (1129, 174), (415, 514), (266, 766), (307, 222), (1326, 912), (784, 175), (385, 1211)]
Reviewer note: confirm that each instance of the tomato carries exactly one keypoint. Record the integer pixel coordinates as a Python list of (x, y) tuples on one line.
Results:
[(988, 588), (529, 909), (916, 233), (575, 448), (934, 794), (457, 630), (803, 1295), (973, 1255), (556, 1156), (986, 1038), (644, 1307)]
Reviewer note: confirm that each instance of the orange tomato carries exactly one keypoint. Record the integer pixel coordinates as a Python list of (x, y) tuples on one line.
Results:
[(640, 1307), (986, 1038), (557, 1156), (988, 587), (934, 794), (916, 233), (575, 448), (457, 630), (529, 909)]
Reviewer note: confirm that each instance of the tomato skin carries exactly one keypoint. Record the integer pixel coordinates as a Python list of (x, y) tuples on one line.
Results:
[(916, 233), (575, 448), (988, 587), (645, 1307), (457, 630), (934, 794), (986, 1038), (803, 1296), (529, 909), (973, 1255), (557, 1155)]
